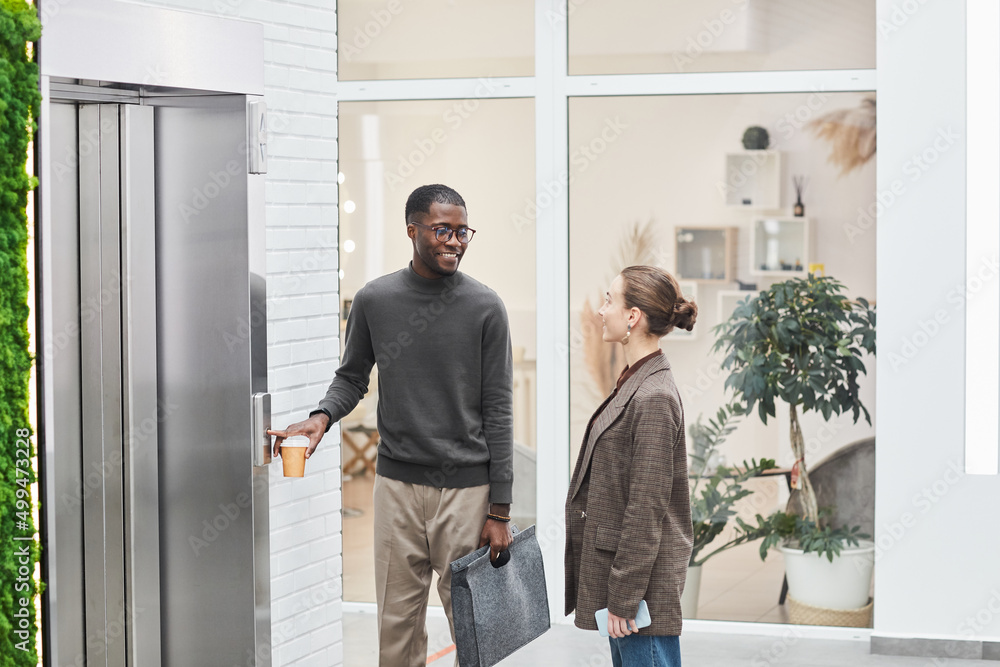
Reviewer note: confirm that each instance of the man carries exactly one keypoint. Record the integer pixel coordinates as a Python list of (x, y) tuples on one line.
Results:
[(442, 344)]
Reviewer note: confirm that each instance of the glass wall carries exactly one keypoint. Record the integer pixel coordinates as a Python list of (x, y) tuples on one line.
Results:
[(653, 182), (646, 36), (485, 150), (397, 39), (654, 177)]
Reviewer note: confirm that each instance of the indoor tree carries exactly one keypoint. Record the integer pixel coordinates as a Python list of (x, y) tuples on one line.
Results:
[(803, 342)]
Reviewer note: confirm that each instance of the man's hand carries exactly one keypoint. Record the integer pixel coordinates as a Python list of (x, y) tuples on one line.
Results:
[(618, 627), (313, 428), (497, 533)]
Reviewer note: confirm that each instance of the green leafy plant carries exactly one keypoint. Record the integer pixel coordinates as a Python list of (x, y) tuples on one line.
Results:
[(805, 534), (800, 341), (19, 102), (715, 492)]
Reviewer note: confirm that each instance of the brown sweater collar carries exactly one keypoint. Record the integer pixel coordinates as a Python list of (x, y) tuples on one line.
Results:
[(629, 371)]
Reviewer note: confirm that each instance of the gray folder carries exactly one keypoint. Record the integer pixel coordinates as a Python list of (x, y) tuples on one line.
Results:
[(498, 610)]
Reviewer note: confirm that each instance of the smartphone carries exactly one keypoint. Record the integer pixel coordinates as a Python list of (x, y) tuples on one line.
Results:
[(641, 618)]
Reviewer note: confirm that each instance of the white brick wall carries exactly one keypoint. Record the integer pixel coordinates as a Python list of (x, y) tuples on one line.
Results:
[(300, 63)]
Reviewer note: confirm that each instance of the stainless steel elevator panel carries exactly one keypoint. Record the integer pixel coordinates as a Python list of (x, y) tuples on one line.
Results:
[(100, 370), (154, 336), (163, 525), (141, 406), (61, 358), (207, 486)]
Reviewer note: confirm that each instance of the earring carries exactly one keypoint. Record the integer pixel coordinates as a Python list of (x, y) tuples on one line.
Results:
[(628, 332)]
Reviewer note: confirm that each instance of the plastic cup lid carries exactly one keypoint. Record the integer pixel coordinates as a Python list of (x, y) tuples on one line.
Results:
[(295, 441)]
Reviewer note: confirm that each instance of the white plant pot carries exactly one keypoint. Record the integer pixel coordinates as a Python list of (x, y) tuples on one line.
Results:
[(692, 588), (842, 584)]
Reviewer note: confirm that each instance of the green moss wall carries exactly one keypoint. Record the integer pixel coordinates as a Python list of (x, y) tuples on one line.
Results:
[(19, 101)]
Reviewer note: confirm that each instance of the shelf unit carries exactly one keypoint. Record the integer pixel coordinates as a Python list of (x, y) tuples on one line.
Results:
[(753, 180), (705, 254), (780, 247)]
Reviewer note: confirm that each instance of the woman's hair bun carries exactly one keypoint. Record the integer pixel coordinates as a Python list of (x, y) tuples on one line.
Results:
[(685, 313), (657, 294)]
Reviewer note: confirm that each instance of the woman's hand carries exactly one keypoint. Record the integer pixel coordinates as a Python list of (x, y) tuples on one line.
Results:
[(619, 627)]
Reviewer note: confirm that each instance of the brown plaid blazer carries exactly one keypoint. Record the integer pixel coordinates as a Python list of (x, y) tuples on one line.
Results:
[(628, 513)]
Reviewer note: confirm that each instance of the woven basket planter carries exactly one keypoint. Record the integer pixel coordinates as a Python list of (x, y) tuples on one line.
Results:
[(801, 613)]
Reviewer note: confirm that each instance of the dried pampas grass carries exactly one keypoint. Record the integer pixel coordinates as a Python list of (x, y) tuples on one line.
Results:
[(852, 134), (603, 361)]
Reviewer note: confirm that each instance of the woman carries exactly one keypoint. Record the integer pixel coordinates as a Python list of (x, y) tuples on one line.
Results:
[(628, 512)]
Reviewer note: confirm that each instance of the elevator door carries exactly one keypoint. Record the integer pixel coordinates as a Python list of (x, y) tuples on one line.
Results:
[(162, 554)]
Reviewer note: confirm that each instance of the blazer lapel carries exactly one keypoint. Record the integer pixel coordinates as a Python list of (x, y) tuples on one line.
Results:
[(613, 410)]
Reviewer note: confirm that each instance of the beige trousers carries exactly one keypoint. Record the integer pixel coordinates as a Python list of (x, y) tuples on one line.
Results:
[(418, 530)]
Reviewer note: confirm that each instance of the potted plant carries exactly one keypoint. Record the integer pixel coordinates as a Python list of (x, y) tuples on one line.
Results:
[(802, 342), (715, 490)]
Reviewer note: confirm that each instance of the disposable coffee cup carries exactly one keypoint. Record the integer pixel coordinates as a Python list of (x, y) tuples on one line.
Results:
[(293, 455)]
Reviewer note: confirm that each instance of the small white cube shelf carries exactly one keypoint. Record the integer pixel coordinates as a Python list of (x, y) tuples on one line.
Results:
[(689, 289), (780, 247), (706, 254), (753, 180)]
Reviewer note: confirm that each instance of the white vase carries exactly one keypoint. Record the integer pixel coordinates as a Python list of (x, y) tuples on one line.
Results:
[(842, 584), (692, 586)]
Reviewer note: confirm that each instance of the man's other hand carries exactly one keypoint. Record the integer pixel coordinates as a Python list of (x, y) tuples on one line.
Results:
[(496, 534), (313, 428)]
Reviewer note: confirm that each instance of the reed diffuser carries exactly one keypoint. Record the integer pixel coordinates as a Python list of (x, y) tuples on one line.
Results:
[(800, 186)]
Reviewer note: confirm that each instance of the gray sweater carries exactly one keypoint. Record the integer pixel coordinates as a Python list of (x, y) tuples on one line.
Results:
[(444, 379)]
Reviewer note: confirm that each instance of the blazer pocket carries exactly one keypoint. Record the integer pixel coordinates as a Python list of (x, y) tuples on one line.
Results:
[(608, 538)]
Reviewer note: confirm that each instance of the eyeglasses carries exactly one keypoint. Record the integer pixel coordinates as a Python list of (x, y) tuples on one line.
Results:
[(444, 234)]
